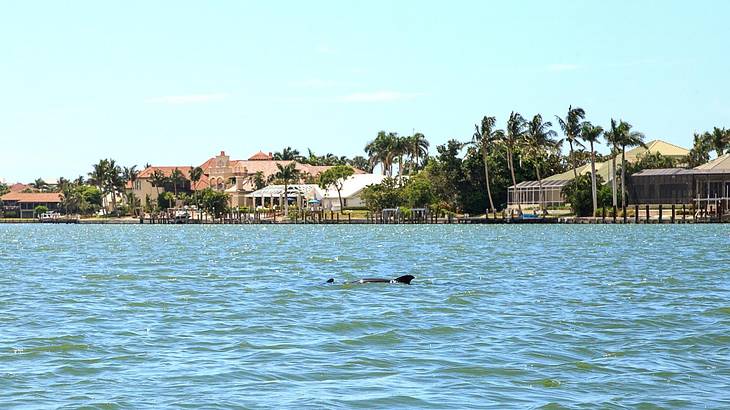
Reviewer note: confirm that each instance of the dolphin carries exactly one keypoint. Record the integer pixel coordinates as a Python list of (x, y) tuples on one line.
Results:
[(405, 279)]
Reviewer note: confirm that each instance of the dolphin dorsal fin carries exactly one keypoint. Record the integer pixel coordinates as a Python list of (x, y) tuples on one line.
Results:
[(404, 279)]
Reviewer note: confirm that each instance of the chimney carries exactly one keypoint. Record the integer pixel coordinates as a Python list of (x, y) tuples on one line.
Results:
[(270, 155), (223, 153)]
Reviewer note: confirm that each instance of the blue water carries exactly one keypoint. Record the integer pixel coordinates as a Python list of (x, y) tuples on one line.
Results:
[(497, 317)]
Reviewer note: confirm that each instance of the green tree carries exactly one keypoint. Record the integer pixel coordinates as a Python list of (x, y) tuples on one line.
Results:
[(417, 150), (287, 174), (511, 140), (4, 189), (537, 145), (578, 194), (177, 179), (651, 160), (627, 138), (158, 179), (571, 128), (335, 177), (591, 134), (214, 202), (613, 139), (700, 152), (360, 162), (287, 154), (386, 194), (418, 191), (486, 140), (98, 177), (39, 210), (40, 185), (718, 139), (382, 150)]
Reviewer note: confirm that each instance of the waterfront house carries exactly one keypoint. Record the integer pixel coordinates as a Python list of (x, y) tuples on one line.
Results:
[(352, 187), (707, 185), (238, 177), (22, 204), (526, 193)]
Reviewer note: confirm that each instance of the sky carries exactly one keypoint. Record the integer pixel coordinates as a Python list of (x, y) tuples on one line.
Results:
[(175, 82)]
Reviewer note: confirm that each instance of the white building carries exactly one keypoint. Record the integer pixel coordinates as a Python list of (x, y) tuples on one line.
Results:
[(351, 190)]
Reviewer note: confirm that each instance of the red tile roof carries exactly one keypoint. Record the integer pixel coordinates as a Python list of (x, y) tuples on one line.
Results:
[(261, 156), (17, 187), (31, 197)]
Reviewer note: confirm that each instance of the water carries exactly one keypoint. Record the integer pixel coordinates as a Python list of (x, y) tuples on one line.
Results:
[(498, 316)]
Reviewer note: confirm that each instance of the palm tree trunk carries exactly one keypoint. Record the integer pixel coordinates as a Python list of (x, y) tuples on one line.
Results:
[(511, 164), (486, 174), (286, 200), (540, 193), (593, 180), (623, 178), (400, 169), (613, 181), (572, 160)]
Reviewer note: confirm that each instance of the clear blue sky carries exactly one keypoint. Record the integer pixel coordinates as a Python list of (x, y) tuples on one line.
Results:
[(174, 82)]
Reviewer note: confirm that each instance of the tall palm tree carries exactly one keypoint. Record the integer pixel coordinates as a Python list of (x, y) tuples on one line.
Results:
[(627, 138), (537, 144), (400, 148), (485, 139), (157, 180), (176, 178), (719, 139), (591, 134), (613, 138), (114, 181), (287, 154), (195, 174), (381, 151), (418, 149), (97, 177), (287, 173), (512, 139), (571, 128)]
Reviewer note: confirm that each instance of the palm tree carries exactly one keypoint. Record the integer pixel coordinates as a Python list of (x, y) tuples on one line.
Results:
[(286, 173), (627, 138), (195, 174), (39, 184), (176, 178), (719, 139), (613, 137), (511, 140), (381, 151), (538, 142), (287, 154), (700, 152), (97, 177), (591, 134), (400, 147), (157, 180), (113, 181), (485, 139), (418, 149), (571, 128), (130, 174)]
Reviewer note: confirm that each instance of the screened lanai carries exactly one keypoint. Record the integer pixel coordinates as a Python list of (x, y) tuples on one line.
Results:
[(528, 193)]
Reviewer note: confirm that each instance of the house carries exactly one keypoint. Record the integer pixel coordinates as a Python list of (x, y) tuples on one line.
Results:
[(351, 189), (707, 184), (238, 178), (527, 194), (143, 185), (23, 204)]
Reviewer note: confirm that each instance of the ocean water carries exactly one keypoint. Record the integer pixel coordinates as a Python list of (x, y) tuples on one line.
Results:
[(239, 317)]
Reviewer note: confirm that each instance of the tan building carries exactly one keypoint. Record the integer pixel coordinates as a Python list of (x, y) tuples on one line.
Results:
[(23, 204), (237, 177), (142, 186), (526, 193)]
